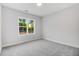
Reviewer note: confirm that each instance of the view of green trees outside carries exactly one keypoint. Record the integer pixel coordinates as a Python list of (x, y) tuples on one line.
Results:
[(31, 26), (26, 26)]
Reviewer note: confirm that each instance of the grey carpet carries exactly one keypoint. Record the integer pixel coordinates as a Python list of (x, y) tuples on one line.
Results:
[(40, 48)]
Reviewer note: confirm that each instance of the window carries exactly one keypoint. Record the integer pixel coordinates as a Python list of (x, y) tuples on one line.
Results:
[(26, 26)]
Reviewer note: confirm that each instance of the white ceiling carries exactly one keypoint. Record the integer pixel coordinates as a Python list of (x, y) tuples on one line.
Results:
[(45, 9)]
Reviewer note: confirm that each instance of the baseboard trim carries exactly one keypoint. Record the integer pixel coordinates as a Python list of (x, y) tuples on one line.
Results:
[(75, 46), (18, 43)]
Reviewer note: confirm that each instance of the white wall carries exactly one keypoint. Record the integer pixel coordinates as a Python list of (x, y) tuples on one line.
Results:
[(10, 28), (63, 26), (0, 28)]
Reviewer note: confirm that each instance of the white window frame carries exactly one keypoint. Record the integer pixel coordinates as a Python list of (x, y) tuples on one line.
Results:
[(27, 27)]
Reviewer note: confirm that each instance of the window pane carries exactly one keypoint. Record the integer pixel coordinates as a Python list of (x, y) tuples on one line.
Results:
[(31, 26), (22, 30), (22, 22)]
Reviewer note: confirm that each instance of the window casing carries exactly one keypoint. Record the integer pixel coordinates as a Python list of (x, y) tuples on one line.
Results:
[(26, 26)]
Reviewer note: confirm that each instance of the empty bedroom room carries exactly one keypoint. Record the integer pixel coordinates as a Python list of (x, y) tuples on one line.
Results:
[(39, 29)]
